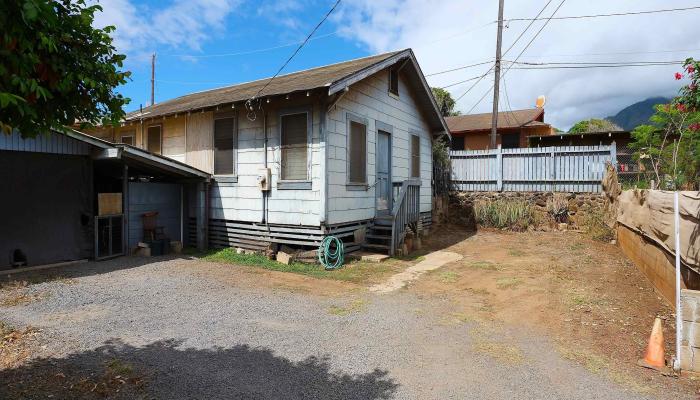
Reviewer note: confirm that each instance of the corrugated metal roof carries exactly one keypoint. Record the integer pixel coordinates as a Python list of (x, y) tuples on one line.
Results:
[(506, 119), (293, 82)]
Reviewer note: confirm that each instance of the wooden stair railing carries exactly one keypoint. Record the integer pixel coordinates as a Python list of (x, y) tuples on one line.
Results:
[(405, 213)]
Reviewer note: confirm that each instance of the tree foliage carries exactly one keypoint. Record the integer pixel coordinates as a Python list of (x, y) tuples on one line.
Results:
[(594, 125), (445, 102), (670, 146), (56, 69)]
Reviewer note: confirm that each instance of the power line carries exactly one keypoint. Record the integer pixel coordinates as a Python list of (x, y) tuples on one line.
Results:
[(463, 81), (520, 54), (620, 14), (506, 52), (619, 53), (458, 68), (248, 52), (328, 14), (595, 62), (596, 66)]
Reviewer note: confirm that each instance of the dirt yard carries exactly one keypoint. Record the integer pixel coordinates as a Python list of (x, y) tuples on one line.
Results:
[(561, 315)]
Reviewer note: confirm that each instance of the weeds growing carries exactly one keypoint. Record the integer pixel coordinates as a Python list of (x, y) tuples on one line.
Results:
[(501, 214)]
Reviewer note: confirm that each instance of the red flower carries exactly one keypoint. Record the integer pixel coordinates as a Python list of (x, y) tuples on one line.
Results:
[(679, 76), (694, 127), (690, 69), (680, 107)]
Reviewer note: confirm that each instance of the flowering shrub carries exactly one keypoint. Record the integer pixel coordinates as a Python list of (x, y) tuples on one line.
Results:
[(669, 147)]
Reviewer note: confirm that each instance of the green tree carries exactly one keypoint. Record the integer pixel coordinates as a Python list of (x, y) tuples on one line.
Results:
[(594, 125), (56, 69), (670, 147), (445, 102)]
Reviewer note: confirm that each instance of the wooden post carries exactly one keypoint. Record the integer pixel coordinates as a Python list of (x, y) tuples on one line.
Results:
[(497, 77), (499, 169), (553, 170), (201, 216)]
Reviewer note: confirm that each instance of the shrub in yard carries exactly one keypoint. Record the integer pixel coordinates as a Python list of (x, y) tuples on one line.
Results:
[(515, 215), (558, 207), (595, 223)]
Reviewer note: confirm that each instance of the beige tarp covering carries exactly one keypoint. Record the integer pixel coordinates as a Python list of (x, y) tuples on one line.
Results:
[(651, 213)]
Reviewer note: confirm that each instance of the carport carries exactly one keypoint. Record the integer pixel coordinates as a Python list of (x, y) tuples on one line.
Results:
[(52, 210)]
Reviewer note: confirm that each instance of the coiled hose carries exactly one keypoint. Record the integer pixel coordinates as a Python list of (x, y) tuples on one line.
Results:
[(331, 253)]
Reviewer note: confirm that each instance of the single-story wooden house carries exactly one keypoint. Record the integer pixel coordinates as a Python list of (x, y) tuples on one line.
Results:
[(472, 132), (343, 149)]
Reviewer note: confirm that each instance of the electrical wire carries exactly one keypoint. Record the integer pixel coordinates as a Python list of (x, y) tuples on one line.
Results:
[(458, 68), (619, 14), (506, 52), (248, 52), (520, 54), (328, 14)]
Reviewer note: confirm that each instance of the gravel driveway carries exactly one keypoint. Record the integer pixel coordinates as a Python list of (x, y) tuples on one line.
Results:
[(175, 328)]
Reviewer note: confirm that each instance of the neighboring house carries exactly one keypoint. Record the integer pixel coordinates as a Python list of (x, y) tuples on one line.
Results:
[(472, 132), (343, 150), (52, 211)]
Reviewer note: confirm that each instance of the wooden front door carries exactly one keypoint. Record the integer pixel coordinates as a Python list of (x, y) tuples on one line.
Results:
[(383, 184)]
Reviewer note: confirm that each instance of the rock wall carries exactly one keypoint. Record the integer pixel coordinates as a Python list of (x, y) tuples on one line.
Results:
[(578, 204)]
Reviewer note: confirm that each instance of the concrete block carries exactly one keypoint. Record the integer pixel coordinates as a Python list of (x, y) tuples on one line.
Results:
[(284, 258)]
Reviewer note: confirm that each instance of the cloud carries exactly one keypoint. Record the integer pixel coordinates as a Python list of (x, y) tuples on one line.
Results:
[(452, 33), (282, 12), (182, 24)]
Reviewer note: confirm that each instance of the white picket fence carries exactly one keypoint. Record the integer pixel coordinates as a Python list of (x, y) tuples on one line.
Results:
[(558, 169)]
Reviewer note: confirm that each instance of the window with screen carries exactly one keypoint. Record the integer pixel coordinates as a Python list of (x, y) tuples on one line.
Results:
[(224, 146), (415, 156), (154, 139), (394, 81), (294, 146), (357, 153)]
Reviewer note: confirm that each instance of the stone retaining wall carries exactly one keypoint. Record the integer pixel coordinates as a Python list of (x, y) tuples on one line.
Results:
[(579, 204)]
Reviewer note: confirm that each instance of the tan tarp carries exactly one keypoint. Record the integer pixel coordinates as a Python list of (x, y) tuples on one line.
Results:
[(650, 212)]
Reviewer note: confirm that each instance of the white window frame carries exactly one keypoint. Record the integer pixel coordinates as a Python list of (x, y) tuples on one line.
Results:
[(131, 134), (363, 121), (296, 184), (225, 115)]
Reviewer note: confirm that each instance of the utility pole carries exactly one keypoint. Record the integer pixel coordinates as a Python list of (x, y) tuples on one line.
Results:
[(153, 79), (497, 78)]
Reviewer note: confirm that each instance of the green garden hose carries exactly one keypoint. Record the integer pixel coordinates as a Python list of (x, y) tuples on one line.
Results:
[(331, 252)]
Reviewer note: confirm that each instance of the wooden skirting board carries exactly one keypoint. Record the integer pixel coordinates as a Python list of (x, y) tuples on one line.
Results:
[(656, 263), (254, 236)]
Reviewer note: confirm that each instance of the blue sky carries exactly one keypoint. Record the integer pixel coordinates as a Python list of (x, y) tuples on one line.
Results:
[(182, 68), (186, 35)]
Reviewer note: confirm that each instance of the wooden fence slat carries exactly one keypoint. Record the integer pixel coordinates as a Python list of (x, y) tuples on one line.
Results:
[(563, 168)]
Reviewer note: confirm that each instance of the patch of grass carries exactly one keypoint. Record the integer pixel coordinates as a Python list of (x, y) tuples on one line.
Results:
[(516, 253), (355, 306), (508, 283), (5, 329), (577, 246), (591, 362), (485, 265), (356, 272), (595, 223), (448, 277), (119, 367), (500, 351), (478, 291)]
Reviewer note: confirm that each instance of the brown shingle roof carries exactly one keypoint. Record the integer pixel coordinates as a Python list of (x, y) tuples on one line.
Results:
[(296, 81), (479, 122)]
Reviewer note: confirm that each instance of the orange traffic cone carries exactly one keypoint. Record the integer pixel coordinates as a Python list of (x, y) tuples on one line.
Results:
[(654, 357)]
